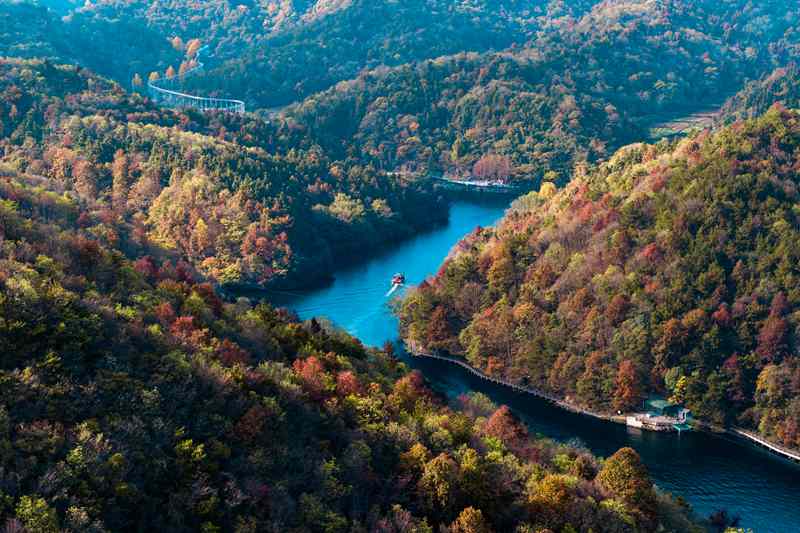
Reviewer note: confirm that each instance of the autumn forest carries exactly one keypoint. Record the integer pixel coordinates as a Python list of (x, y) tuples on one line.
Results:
[(148, 382)]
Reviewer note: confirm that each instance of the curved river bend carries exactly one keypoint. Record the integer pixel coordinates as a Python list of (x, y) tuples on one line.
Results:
[(710, 472)]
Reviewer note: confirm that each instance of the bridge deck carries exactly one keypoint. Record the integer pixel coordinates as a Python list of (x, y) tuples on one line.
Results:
[(164, 92)]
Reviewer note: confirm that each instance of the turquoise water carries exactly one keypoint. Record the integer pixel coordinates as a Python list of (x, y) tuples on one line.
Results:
[(710, 472), (357, 300)]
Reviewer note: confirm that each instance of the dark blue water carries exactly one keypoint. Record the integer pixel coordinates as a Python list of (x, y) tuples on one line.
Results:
[(710, 472)]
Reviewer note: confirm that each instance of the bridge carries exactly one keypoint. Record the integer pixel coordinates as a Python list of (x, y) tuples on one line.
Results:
[(166, 92)]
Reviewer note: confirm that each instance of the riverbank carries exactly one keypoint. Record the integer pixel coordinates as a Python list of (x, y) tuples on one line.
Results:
[(774, 449), (738, 433), (712, 470), (563, 404)]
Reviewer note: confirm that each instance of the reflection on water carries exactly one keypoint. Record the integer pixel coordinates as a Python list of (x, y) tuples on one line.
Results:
[(710, 472)]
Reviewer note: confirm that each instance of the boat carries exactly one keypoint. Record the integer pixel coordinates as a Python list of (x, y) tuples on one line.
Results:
[(398, 280)]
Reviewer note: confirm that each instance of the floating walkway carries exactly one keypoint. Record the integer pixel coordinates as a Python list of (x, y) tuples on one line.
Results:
[(519, 388), (768, 446), (773, 448), (165, 92)]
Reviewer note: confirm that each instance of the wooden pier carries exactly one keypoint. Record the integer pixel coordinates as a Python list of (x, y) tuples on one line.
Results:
[(455, 185), (477, 186)]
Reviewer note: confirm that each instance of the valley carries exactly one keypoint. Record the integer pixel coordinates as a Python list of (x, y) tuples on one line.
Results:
[(232, 231), (710, 471)]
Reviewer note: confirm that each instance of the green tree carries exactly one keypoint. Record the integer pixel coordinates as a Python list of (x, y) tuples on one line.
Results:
[(470, 520), (438, 483), (36, 515), (120, 183), (624, 476)]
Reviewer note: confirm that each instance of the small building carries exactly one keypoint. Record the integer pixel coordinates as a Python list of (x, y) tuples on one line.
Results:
[(662, 407), (660, 415), (651, 422), (634, 422)]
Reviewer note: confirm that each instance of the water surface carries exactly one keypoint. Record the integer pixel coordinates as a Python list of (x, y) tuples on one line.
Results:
[(710, 472)]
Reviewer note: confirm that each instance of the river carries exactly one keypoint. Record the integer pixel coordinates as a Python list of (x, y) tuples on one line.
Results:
[(710, 472)]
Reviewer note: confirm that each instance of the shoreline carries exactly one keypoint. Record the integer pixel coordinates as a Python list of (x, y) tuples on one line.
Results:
[(765, 445), (742, 435), (559, 402)]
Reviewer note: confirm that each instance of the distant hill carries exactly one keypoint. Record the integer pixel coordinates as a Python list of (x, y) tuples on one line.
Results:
[(117, 48), (571, 96), (274, 53), (321, 51)]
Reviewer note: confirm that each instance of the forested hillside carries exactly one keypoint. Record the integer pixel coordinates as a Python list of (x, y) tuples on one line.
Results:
[(114, 47), (133, 398), (780, 86), (524, 113), (209, 189), (671, 269), (574, 94), (138, 393), (274, 53), (369, 33)]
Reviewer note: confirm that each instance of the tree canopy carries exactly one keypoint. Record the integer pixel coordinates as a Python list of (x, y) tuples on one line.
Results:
[(671, 269), (135, 397)]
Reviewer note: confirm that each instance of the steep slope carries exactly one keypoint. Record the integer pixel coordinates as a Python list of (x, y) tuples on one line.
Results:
[(368, 33), (782, 86), (670, 269), (134, 398), (114, 47), (574, 94), (273, 53), (210, 189)]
